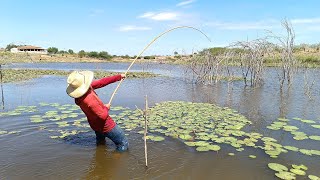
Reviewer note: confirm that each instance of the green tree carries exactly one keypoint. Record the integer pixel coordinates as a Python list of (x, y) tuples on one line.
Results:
[(175, 53), (62, 52), (53, 50), (82, 53), (104, 55), (149, 57), (10, 46), (93, 54), (70, 51)]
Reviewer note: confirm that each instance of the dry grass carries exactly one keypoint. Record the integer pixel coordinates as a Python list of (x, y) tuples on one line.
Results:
[(18, 75)]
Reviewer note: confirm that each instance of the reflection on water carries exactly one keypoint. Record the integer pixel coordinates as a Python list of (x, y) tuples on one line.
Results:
[(107, 165), (26, 154)]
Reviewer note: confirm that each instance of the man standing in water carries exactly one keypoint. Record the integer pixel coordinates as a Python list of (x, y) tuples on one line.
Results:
[(81, 86)]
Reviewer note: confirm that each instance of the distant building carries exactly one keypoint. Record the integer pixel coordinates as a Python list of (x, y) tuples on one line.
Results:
[(29, 49)]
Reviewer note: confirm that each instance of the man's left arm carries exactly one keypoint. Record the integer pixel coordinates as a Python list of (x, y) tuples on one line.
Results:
[(105, 81)]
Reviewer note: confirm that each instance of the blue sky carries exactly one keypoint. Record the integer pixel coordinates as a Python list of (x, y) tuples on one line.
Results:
[(126, 26)]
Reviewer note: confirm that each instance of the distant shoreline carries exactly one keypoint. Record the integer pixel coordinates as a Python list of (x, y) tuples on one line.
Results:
[(8, 57), (310, 60)]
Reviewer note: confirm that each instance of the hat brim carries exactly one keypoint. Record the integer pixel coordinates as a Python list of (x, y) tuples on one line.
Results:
[(81, 90)]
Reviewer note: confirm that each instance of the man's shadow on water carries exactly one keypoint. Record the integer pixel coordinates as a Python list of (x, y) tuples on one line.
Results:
[(107, 163)]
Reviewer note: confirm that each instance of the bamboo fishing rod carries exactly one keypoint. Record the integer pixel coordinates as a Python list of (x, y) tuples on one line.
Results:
[(156, 38)]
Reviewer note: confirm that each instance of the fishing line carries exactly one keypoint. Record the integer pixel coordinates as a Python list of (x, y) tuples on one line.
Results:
[(156, 38)]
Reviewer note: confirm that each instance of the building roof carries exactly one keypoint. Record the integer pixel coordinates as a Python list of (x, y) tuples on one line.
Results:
[(29, 47)]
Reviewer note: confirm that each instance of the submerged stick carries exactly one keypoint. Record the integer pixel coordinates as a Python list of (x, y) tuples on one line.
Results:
[(2, 96), (179, 27), (145, 132)]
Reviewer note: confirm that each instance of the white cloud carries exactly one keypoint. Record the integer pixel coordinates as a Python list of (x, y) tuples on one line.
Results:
[(184, 3), (162, 16), (244, 25), (165, 16), (133, 28), (306, 21), (147, 15)]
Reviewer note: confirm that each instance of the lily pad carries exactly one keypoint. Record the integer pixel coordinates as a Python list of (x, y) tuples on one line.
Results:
[(306, 152), (190, 143), (300, 137), (291, 148), (185, 137), (317, 138), (214, 147), (298, 172), (308, 121), (202, 148), (313, 177), (316, 126), (62, 124), (36, 120), (286, 175), (3, 132), (301, 166), (277, 167), (290, 128), (252, 156), (283, 119), (157, 138), (315, 152)]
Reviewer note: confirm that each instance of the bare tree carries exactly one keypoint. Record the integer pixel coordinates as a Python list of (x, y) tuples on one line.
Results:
[(251, 56), (207, 68), (286, 45)]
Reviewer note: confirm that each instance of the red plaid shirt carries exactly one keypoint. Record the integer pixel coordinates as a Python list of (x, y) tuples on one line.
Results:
[(96, 112)]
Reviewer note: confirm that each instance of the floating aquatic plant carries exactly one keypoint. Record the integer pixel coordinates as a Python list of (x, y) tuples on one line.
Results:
[(298, 172), (317, 138), (291, 148), (202, 148), (286, 175), (313, 177), (316, 126), (277, 167)]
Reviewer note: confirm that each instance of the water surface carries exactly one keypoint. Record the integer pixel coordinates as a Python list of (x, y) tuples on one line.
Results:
[(32, 154)]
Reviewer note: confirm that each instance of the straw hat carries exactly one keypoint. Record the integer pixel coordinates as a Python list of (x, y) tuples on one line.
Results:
[(79, 83)]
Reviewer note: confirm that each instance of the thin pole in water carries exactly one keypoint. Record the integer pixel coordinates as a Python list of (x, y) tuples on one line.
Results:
[(2, 96), (145, 132)]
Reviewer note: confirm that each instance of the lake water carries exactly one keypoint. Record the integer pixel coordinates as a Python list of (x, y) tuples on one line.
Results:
[(32, 154)]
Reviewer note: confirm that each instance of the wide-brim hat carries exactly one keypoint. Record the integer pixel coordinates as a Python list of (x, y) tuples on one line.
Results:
[(78, 83)]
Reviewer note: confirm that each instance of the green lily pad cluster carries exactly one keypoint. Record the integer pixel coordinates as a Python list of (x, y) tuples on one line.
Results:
[(283, 172), (196, 124), (66, 133), (19, 110), (3, 132), (297, 135), (202, 126), (304, 120)]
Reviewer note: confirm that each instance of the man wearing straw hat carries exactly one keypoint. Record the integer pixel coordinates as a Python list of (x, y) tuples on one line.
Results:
[(81, 86)]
